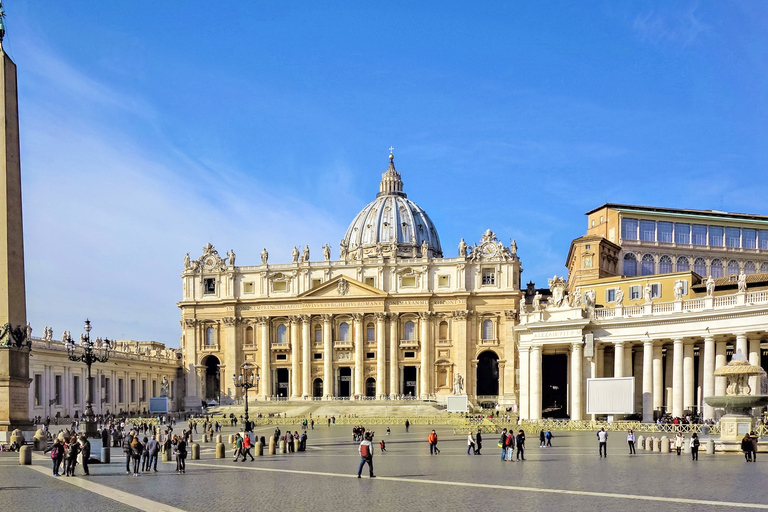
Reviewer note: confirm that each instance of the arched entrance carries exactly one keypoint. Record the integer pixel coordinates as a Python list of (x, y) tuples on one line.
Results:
[(345, 381), (487, 374), (554, 385), (212, 381), (370, 387), (409, 381), (317, 388), (283, 379)]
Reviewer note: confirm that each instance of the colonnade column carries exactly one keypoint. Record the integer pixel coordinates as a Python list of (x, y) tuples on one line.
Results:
[(266, 373), (535, 382), (628, 369), (658, 375), (648, 380), (577, 377), (381, 355), (426, 367), (754, 359), (741, 344), (618, 359), (720, 360), (233, 356), (709, 377), (327, 357), (306, 362), (525, 376), (394, 344), (295, 358), (688, 383), (358, 325), (677, 378)]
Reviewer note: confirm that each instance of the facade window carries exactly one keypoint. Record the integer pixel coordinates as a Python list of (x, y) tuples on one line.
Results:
[(635, 292), (120, 391), (716, 268), (682, 233), (733, 268), (409, 355), (248, 287), (764, 268), (700, 267), (699, 234), (629, 229), (344, 331), (685, 287), (748, 238), (410, 331), (732, 237), (665, 265), (38, 389), (488, 330), (316, 283), (655, 290), (683, 265), (443, 335), (409, 281), (318, 334), (647, 265), (280, 286), (762, 239), (630, 265), (370, 332), (210, 336), (749, 267), (664, 232), (716, 236), (282, 333), (76, 389), (610, 295), (370, 355), (489, 276), (370, 281), (209, 285), (318, 355), (647, 231), (281, 357), (249, 335), (443, 281)]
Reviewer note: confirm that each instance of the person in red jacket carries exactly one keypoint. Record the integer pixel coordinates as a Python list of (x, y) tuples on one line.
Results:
[(433, 450)]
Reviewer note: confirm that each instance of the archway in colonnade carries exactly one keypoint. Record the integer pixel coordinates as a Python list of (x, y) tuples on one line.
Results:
[(554, 385), (487, 374), (212, 379)]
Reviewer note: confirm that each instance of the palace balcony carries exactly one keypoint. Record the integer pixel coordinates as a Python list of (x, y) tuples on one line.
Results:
[(409, 343), (347, 345)]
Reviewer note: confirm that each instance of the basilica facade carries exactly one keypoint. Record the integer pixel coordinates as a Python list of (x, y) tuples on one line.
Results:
[(391, 317)]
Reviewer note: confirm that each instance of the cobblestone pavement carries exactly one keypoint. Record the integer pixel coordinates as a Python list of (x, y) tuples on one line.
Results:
[(569, 476)]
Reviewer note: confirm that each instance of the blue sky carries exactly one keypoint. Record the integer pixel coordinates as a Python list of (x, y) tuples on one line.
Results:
[(151, 128)]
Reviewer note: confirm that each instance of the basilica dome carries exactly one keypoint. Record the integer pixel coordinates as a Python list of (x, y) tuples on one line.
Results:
[(391, 225)]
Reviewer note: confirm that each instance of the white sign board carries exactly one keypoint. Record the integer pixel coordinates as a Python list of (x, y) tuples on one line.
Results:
[(611, 396), (456, 403)]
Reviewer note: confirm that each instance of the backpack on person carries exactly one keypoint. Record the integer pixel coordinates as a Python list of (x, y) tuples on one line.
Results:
[(364, 451), (56, 452)]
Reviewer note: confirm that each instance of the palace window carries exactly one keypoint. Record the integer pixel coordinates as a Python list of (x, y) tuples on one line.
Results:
[(282, 333), (281, 357), (409, 281), (664, 232), (665, 265), (316, 283), (489, 276), (610, 295), (409, 355), (370, 281), (635, 292), (655, 290), (647, 266), (318, 335), (732, 237), (410, 330), (629, 229), (488, 330), (370, 332), (733, 268), (280, 286), (210, 336), (248, 287), (443, 331), (249, 335), (683, 265), (630, 265), (762, 239), (682, 233), (647, 231), (749, 267), (209, 285), (370, 355), (699, 233), (318, 355), (443, 281), (716, 268), (700, 267), (344, 331), (716, 236), (748, 238)]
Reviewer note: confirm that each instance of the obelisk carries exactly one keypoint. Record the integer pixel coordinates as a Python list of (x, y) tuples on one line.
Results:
[(14, 345)]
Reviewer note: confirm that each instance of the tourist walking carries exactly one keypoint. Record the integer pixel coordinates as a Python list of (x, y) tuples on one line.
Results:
[(238, 447), (542, 439), (503, 443), (549, 437), (365, 449), (85, 452), (153, 449), (471, 443), (679, 441), (510, 445), (432, 438), (695, 446), (754, 438), (137, 449), (383, 446), (247, 447), (602, 441), (631, 442), (478, 442), (520, 442), (127, 440), (407, 426), (145, 456)]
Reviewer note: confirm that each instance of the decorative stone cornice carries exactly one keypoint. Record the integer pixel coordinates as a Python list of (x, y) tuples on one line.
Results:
[(229, 320), (460, 314)]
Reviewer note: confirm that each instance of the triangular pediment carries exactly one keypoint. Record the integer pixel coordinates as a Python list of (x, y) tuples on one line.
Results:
[(342, 286)]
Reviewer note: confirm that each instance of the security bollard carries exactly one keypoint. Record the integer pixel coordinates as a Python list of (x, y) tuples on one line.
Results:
[(658, 444), (105, 455), (295, 445), (641, 442), (258, 449), (283, 448), (271, 445), (219, 450), (649, 444), (664, 445), (710, 446), (218, 438), (25, 455), (205, 438), (231, 439), (195, 451), (165, 456)]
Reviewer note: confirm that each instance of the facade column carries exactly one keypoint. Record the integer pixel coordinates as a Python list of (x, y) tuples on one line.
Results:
[(709, 377), (328, 380), (394, 347), (720, 361), (381, 355), (628, 367), (677, 379), (688, 375), (648, 381), (525, 371), (359, 381), (295, 358), (618, 359), (741, 344), (265, 382), (306, 362), (536, 382), (658, 376), (426, 364), (577, 378)]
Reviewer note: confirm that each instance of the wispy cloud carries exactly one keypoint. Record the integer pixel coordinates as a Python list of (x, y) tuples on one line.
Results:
[(670, 27)]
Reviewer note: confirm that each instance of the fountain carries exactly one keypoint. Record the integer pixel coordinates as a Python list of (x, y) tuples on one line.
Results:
[(737, 402)]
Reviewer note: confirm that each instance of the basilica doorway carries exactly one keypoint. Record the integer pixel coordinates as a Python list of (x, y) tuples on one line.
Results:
[(283, 378), (409, 380), (554, 385), (370, 387), (345, 381), (487, 374), (212, 380), (317, 388)]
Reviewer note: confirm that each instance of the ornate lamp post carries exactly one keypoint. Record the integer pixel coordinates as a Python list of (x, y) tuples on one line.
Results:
[(246, 380), (88, 353)]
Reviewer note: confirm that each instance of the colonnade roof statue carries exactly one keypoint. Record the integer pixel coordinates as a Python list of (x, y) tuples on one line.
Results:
[(391, 225)]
